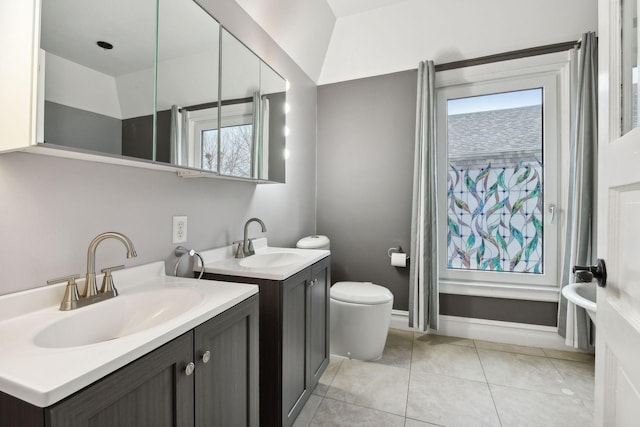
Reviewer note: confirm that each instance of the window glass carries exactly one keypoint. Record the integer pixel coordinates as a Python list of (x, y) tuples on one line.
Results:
[(235, 150), (209, 150), (495, 182)]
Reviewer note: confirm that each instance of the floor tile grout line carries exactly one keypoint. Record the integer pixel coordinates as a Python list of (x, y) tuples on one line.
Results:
[(361, 406), (315, 411), (328, 387), (406, 403), (493, 400)]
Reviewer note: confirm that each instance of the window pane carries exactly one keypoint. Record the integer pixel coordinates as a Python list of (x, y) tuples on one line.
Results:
[(495, 187), (235, 150), (209, 148)]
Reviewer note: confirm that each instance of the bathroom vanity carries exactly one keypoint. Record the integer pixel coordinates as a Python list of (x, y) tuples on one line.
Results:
[(197, 367), (294, 321)]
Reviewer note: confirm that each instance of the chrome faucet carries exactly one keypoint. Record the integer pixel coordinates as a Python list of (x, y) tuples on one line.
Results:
[(72, 299), (91, 289), (245, 248)]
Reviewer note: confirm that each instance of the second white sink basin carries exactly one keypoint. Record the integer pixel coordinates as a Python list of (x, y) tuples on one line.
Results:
[(118, 317), (271, 260)]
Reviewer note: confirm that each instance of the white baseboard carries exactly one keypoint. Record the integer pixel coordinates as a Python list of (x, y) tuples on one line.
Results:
[(490, 330)]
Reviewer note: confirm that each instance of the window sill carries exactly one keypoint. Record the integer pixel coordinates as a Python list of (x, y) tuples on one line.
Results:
[(497, 290)]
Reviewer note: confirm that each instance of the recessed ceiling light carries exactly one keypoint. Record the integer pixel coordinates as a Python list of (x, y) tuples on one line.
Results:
[(105, 45)]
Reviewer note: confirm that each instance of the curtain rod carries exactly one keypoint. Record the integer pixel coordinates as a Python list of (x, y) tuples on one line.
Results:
[(514, 54), (214, 104)]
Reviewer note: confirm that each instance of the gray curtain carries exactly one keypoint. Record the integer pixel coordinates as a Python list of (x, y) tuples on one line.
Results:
[(580, 244), (423, 271), (178, 138)]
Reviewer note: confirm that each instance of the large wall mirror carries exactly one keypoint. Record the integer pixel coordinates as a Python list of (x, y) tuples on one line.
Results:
[(184, 93)]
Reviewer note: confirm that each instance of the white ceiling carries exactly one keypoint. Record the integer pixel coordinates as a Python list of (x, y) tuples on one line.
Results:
[(363, 38), (351, 7), (71, 28), (331, 40)]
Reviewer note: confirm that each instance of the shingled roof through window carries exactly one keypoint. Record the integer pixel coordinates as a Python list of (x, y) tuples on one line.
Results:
[(495, 135)]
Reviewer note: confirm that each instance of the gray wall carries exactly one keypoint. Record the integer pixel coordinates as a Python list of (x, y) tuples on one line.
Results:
[(51, 208), (73, 127), (365, 167)]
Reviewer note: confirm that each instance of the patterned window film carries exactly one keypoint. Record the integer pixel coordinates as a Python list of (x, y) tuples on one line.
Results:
[(495, 182)]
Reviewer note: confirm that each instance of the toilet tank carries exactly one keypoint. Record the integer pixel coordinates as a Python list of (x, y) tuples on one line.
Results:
[(313, 242)]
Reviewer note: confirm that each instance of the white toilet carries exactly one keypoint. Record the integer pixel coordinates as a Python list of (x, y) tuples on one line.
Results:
[(360, 317), (360, 313)]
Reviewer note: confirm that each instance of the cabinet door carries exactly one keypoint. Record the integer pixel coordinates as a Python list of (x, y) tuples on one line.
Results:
[(153, 391), (226, 379), (319, 320), (295, 345)]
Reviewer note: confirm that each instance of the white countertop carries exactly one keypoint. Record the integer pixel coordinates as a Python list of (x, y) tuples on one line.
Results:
[(222, 261), (43, 376)]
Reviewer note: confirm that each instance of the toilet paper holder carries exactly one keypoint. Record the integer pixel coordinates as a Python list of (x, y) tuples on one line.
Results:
[(395, 250)]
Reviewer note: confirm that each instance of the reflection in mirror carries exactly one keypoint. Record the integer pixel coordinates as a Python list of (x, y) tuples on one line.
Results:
[(92, 91), (273, 93), (236, 151), (187, 88), (629, 91), (102, 97)]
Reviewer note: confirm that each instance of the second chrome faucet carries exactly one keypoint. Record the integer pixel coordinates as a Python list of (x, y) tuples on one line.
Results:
[(245, 248)]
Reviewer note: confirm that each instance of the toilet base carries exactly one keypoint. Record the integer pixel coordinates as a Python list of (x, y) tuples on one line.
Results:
[(359, 331)]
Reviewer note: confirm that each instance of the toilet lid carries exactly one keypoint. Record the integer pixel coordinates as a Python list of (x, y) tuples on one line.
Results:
[(361, 293), (313, 242)]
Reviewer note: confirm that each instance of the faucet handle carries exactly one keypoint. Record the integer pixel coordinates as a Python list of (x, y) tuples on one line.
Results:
[(239, 249), (71, 296), (107, 280), (250, 249)]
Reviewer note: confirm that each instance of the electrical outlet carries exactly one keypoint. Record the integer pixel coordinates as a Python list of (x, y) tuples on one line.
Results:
[(179, 229)]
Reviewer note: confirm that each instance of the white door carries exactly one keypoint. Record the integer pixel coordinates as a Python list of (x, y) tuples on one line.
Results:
[(617, 396), (617, 393)]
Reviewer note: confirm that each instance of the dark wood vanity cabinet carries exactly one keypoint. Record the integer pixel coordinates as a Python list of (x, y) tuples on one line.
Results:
[(226, 387), (294, 339), (155, 390)]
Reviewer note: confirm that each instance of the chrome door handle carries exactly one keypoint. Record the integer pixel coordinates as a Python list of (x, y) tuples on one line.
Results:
[(206, 356)]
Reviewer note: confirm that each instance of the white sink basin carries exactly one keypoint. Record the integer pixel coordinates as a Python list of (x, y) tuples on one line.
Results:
[(271, 260), (583, 295), (118, 317), (47, 354)]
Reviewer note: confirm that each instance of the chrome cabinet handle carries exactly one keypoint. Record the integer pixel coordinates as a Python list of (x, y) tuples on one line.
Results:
[(206, 356), (190, 368)]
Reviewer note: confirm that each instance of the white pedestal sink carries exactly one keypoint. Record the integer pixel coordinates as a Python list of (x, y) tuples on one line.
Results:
[(583, 295)]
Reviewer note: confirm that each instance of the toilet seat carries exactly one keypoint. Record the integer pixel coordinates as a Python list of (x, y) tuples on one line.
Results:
[(361, 293)]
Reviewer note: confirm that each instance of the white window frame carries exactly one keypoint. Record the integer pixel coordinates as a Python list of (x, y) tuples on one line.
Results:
[(552, 73), (207, 119)]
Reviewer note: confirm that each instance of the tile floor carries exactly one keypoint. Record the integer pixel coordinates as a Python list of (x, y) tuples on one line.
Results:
[(431, 380)]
